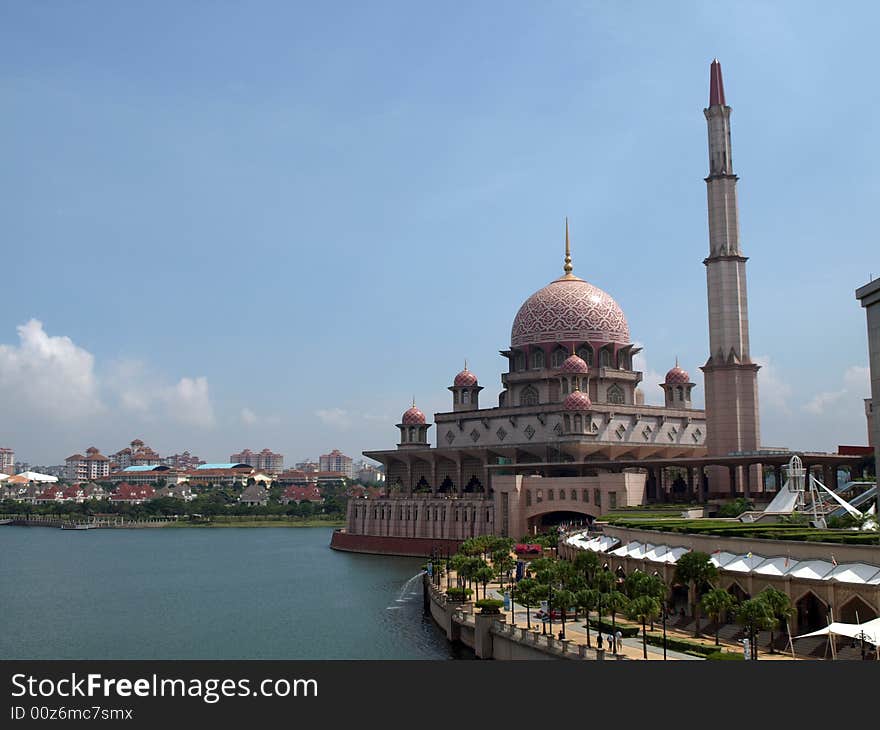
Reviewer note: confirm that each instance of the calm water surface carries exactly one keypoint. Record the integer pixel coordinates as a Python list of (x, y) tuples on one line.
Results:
[(231, 593)]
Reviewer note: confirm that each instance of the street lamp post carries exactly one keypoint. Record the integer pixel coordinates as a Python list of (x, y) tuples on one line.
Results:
[(664, 633)]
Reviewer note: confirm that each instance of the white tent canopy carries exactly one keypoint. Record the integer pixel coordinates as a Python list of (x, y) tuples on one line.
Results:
[(869, 631), (34, 476)]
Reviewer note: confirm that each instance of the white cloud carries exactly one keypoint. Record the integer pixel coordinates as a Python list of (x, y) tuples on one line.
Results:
[(248, 417), (48, 375), (337, 418), (189, 403), (856, 385), (650, 379), (774, 391)]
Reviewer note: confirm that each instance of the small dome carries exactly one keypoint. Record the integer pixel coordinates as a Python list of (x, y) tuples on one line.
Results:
[(413, 417), (465, 378), (577, 401), (677, 376), (575, 364)]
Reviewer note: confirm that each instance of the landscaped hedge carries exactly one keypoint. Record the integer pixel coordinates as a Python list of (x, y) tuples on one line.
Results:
[(682, 645), (726, 655), (627, 632), (489, 605), (458, 594)]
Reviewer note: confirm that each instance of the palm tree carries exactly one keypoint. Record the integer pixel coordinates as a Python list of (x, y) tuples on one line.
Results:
[(588, 600), (502, 562), (780, 608), (483, 575), (587, 562), (695, 569), (716, 603), (644, 608), (525, 594), (755, 615), (562, 599), (615, 601)]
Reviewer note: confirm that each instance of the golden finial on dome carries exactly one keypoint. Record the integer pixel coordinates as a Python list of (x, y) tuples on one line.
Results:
[(568, 267)]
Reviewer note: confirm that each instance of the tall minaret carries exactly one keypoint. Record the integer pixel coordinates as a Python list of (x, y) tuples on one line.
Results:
[(730, 375)]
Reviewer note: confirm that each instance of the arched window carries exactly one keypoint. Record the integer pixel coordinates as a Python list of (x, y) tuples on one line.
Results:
[(585, 385), (465, 397), (558, 357), (567, 419), (680, 393), (585, 495), (528, 396), (412, 434), (615, 394), (520, 361), (605, 358), (540, 495), (578, 423), (574, 495), (538, 360), (550, 496), (565, 386), (574, 384), (623, 361), (585, 353)]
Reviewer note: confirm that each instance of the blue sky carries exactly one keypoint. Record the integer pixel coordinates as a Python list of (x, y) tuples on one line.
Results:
[(230, 225)]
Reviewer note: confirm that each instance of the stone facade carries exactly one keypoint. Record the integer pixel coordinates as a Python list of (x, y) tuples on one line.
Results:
[(869, 296)]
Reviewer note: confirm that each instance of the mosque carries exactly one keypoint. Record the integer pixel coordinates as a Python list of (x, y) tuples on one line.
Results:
[(571, 437)]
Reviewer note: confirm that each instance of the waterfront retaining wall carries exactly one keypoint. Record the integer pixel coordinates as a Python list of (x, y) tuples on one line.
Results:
[(385, 545)]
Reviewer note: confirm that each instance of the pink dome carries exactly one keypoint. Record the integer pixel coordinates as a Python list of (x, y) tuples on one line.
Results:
[(575, 364), (413, 417), (577, 401), (677, 376), (465, 378), (569, 310)]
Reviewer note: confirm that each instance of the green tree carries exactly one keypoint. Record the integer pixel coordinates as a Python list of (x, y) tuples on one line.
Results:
[(503, 563), (615, 602), (525, 593), (780, 608), (587, 562), (644, 608), (755, 615), (588, 600), (695, 570), (716, 604), (563, 599), (483, 575)]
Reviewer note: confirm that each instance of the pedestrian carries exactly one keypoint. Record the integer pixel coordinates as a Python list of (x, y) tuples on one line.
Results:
[(599, 641), (617, 637)]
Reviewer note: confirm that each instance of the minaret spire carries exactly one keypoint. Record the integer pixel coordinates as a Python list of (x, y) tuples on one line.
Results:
[(731, 378), (716, 85), (568, 267)]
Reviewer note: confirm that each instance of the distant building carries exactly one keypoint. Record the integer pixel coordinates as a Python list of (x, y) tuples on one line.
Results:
[(136, 454), (330, 479), (176, 491), (7, 460), (295, 477), (254, 495), (266, 460), (336, 461), (227, 475), (132, 494), (369, 474), (183, 461), (148, 475), (308, 466), (302, 494), (94, 465)]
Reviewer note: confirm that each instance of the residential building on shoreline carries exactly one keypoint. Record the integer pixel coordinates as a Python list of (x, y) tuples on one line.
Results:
[(336, 461), (94, 465), (265, 460)]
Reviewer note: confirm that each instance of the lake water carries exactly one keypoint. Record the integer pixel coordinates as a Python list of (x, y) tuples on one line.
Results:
[(230, 593)]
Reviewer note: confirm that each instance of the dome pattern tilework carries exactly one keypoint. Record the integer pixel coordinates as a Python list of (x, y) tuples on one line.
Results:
[(569, 310), (465, 378), (575, 364), (413, 417), (577, 401), (677, 376)]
